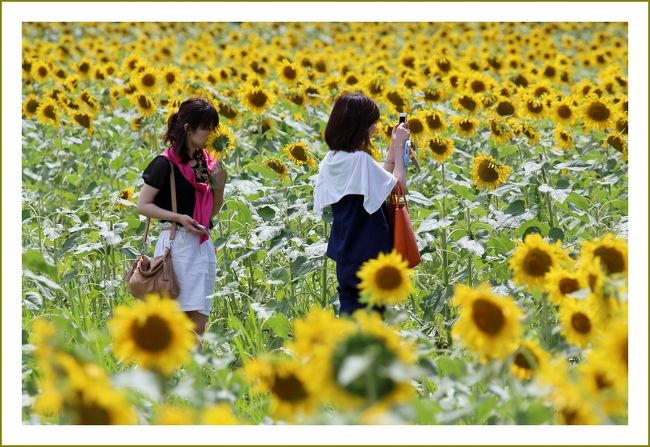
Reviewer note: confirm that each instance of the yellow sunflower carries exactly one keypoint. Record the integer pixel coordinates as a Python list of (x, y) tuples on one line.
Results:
[(563, 138), (148, 81), (531, 134), (220, 414), (167, 414), (434, 94), (610, 251), (614, 345), (487, 173), (468, 103), (563, 112), (88, 101), (417, 126), (41, 71), (528, 359), (533, 107), (290, 73), (48, 112), (505, 107), (500, 130), (30, 106), (597, 113), (257, 98), (278, 167), (144, 103), (397, 99), (316, 331), (385, 280), (348, 384), (572, 407), (220, 142), (441, 148), (85, 120), (618, 142), (100, 405), (124, 195), (605, 385), (488, 324), (533, 259), (299, 154), (561, 282), (435, 121), (287, 381), (594, 273), (465, 126), (153, 333), (580, 321)]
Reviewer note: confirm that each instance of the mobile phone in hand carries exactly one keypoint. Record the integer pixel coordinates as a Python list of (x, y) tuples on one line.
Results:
[(202, 228)]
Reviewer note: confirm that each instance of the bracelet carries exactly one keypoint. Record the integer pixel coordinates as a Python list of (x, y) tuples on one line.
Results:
[(389, 162)]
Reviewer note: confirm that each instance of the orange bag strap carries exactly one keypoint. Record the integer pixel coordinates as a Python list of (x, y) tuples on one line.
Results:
[(400, 193), (172, 183)]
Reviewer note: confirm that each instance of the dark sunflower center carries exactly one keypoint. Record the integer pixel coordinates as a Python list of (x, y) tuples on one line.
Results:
[(568, 285), (124, 195), (148, 80), (431, 95), (154, 335), (388, 278), (289, 389), (437, 147), (581, 323), (94, 415), (549, 72), (564, 111), (487, 171), (522, 360), (298, 152), (539, 91), (478, 86), (84, 67), (444, 64), (320, 66), (534, 106), (82, 119), (616, 142), (42, 71), (170, 78), (396, 100), (227, 111), (415, 126), (32, 106), (434, 121), (352, 80), (312, 91), (144, 102), (467, 103), (505, 109), (258, 98), (564, 136), (297, 99), (487, 316), (570, 416), (602, 382), (276, 166), (598, 112), (621, 125), (466, 125), (49, 112), (612, 258), (537, 262), (289, 72), (375, 382)]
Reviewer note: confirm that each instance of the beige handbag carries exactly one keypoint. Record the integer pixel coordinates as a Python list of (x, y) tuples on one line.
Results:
[(155, 275)]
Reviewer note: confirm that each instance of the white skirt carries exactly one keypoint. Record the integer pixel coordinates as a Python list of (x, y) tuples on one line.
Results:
[(195, 267)]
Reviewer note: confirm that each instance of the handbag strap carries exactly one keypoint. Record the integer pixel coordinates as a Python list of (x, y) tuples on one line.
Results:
[(400, 193), (172, 183)]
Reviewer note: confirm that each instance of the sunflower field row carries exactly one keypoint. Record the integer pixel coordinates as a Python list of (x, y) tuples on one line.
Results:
[(516, 315)]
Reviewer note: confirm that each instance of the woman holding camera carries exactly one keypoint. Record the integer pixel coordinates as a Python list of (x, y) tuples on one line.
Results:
[(356, 187), (199, 182)]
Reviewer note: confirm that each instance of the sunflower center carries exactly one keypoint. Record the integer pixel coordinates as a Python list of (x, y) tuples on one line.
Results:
[(124, 195), (299, 153), (621, 125), (42, 71), (431, 95), (289, 389), (396, 100), (541, 91), (434, 121), (154, 335), (466, 125), (478, 86), (598, 112), (487, 171), (581, 323), (258, 98), (351, 80), (467, 103), (549, 72), (537, 262), (602, 382), (568, 285), (375, 87), (388, 278), (94, 415), (84, 67), (612, 258), (521, 360), (437, 147), (170, 78), (227, 111), (564, 111), (488, 316), (444, 64), (144, 102), (505, 109), (534, 106), (49, 112), (570, 416), (415, 126), (32, 106), (82, 119), (276, 166), (320, 66), (289, 72)]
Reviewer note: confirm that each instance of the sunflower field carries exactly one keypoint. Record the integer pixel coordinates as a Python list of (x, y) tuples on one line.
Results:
[(517, 313)]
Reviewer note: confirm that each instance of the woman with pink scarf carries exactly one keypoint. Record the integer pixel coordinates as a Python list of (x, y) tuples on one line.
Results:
[(200, 182)]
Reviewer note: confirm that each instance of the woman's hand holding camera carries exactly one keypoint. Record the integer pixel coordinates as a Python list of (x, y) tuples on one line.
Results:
[(400, 134)]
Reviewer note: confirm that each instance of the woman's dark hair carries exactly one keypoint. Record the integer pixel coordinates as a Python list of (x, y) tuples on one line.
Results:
[(197, 114), (347, 128)]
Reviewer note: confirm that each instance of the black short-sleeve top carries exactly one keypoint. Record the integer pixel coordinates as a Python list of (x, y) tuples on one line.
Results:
[(157, 175)]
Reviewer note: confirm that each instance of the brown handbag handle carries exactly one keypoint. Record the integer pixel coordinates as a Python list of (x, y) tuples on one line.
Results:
[(400, 193), (172, 183)]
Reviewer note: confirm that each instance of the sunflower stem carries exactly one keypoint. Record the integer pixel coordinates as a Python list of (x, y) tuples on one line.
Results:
[(547, 196), (471, 237)]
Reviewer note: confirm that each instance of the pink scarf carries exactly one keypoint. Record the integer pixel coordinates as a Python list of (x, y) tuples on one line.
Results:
[(202, 193)]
